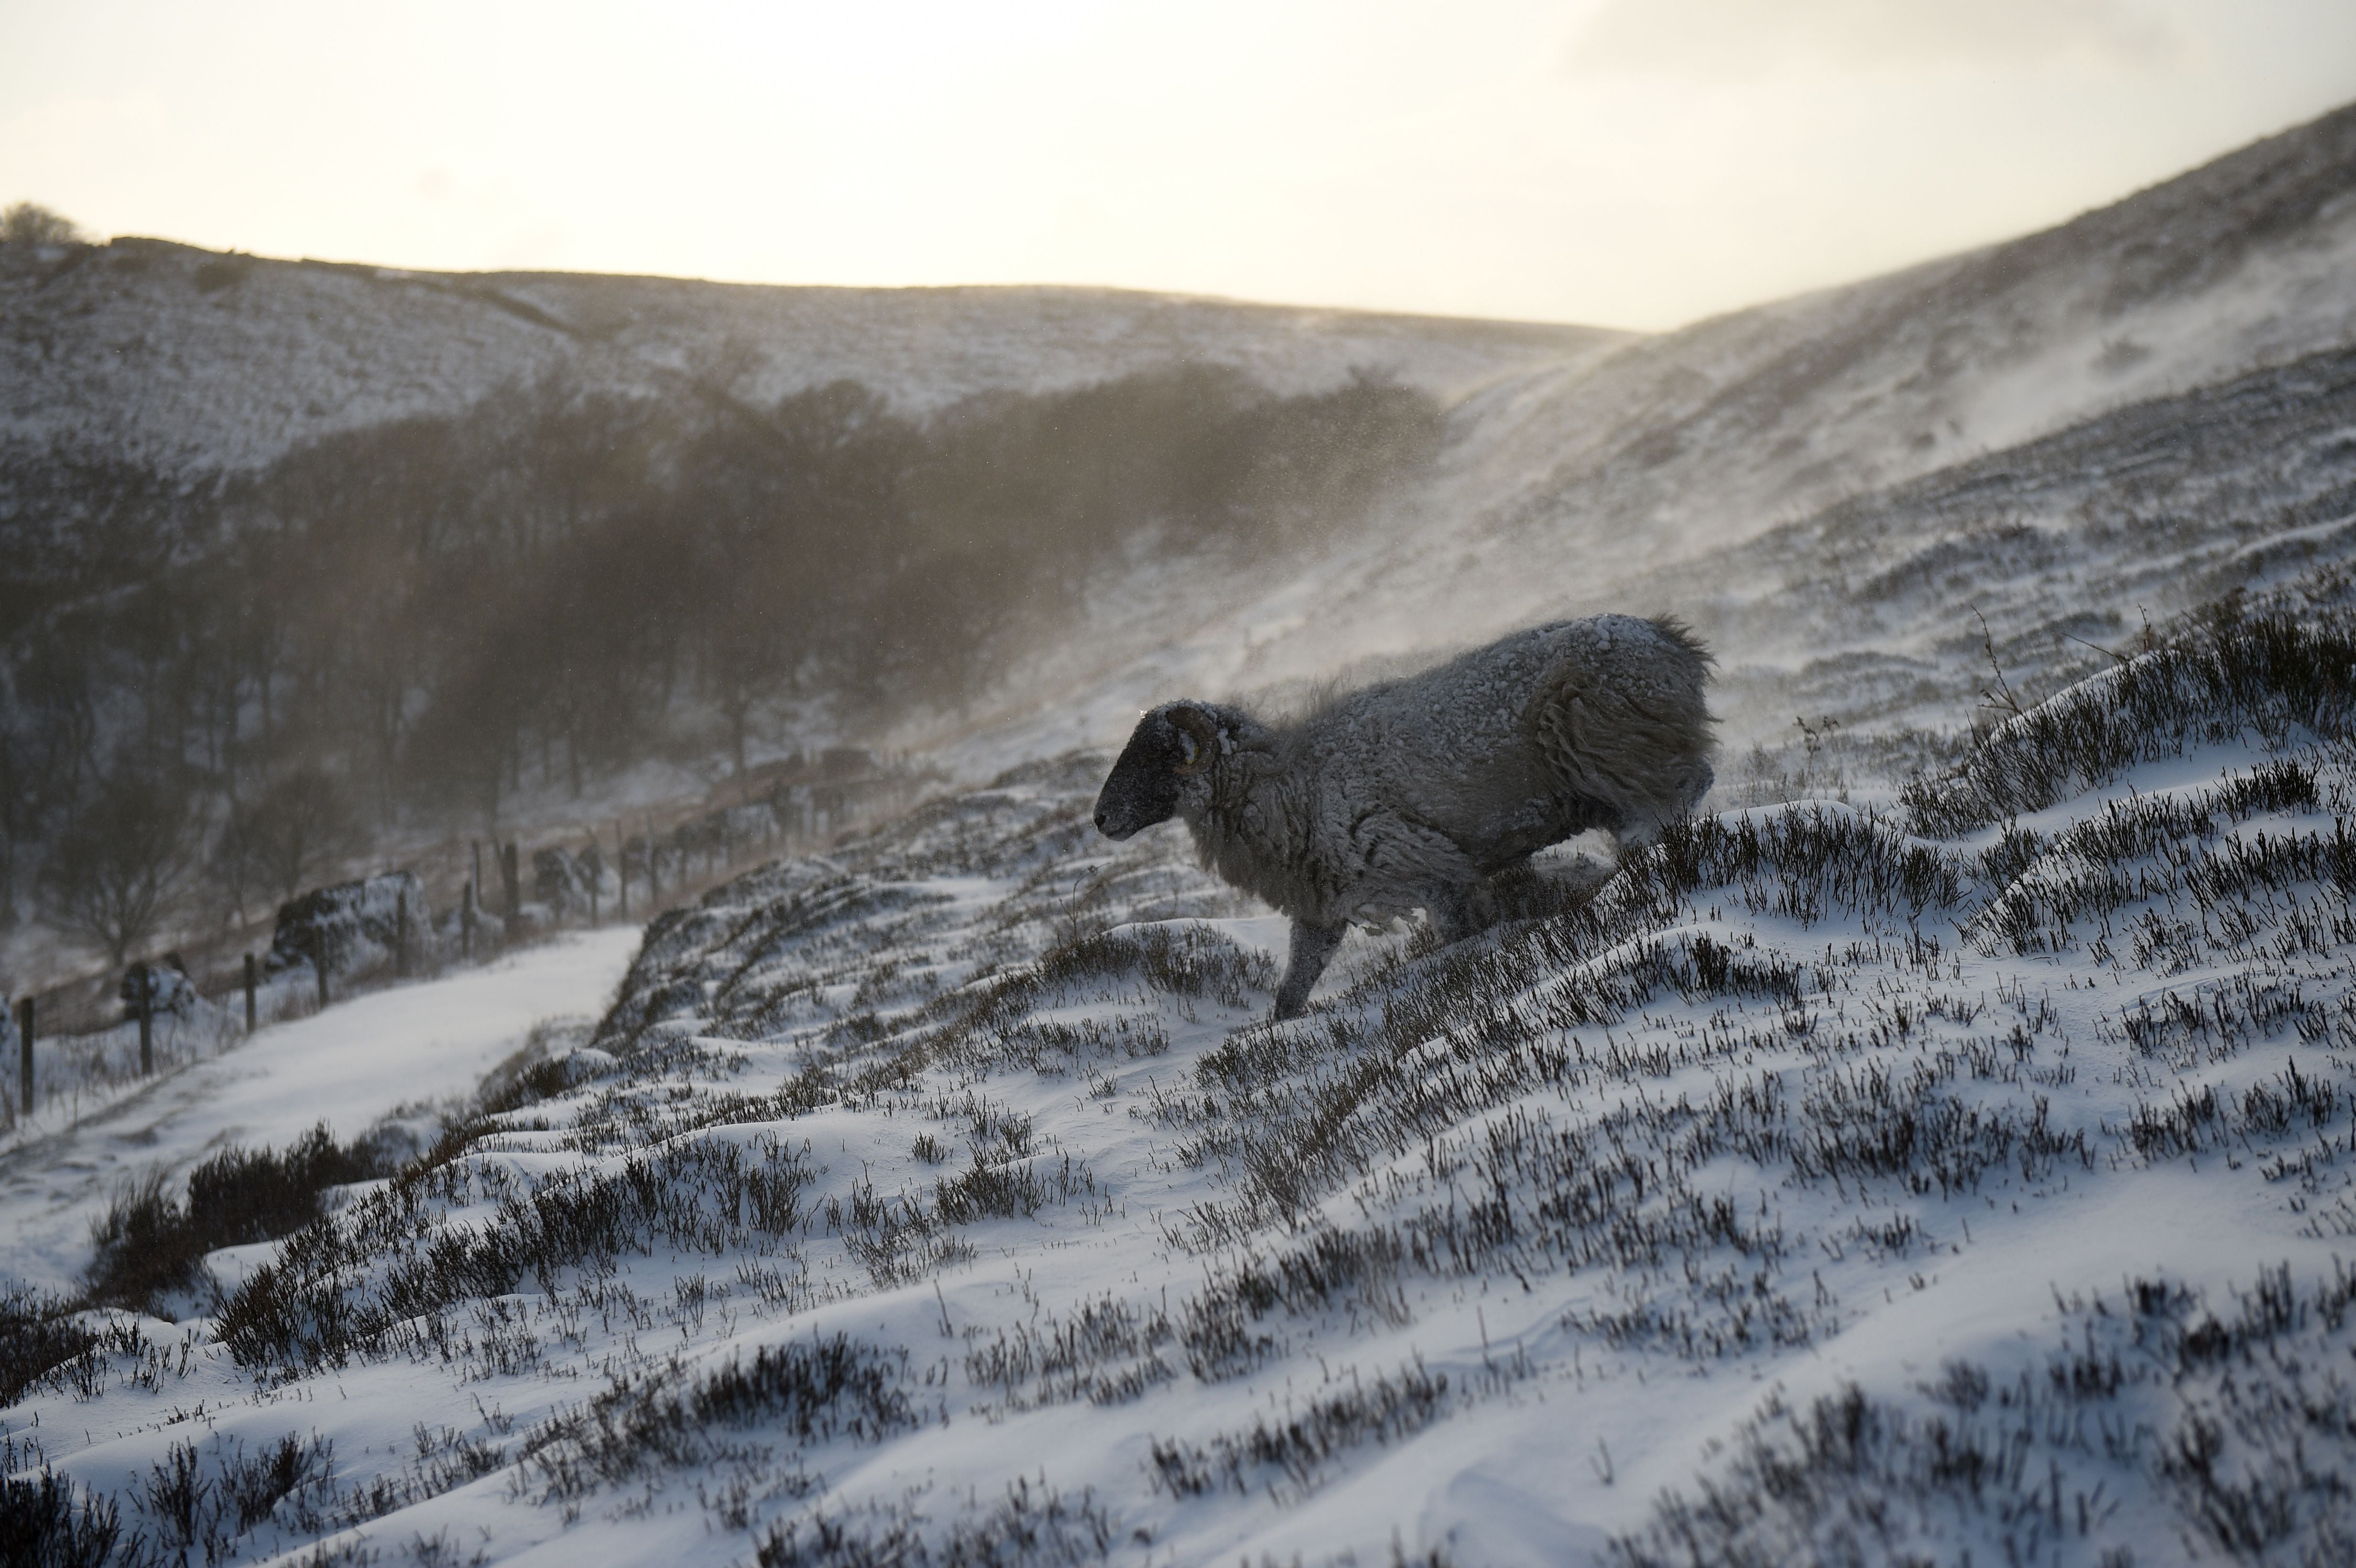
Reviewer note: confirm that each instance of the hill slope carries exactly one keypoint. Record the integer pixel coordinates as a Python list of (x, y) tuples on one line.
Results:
[(1703, 436), (2079, 430), (195, 361), (1967, 1178)]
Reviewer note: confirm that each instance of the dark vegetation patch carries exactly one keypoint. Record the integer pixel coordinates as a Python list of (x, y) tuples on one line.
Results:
[(221, 272), (1105, 1352), (803, 1391), (988, 1027), (209, 1500), (1032, 1527), (2286, 1108), (1805, 863), (46, 1523), (381, 1276), (2179, 849), (746, 929), (901, 1238), (216, 1500), (38, 1331), (2275, 671), (2215, 1021), (203, 1502), (149, 1245), (1300, 1444), (115, 1353)]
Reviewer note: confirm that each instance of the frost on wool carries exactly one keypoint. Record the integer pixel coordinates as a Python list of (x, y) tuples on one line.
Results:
[(1416, 793)]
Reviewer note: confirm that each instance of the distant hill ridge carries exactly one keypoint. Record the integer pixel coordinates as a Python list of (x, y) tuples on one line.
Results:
[(193, 359), (1697, 439)]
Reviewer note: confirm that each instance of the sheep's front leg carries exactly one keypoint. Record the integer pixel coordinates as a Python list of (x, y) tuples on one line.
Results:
[(1312, 946)]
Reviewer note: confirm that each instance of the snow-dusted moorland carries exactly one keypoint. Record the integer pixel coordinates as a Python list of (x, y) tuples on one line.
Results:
[(1963, 1177), (1938, 1151)]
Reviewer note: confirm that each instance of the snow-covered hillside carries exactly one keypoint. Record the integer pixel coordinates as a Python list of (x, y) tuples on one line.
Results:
[(1702, 437), (2078, 432), (1945, 1169), (198, 362), (1968, 1175)]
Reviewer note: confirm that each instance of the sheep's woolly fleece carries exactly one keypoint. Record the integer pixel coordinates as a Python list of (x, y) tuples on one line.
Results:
[(1405, 795)]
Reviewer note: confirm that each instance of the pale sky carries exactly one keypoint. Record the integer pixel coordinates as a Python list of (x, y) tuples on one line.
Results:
[(1633, 163)]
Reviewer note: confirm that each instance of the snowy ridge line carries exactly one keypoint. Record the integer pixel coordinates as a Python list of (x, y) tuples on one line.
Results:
[(1673, 469), (205, 363)]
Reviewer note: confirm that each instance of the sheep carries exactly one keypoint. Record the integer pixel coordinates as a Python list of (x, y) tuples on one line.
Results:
[(1416, 793)]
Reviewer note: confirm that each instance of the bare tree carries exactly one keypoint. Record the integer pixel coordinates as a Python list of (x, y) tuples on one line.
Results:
[(120, 864), (30, 223), (301, 824)]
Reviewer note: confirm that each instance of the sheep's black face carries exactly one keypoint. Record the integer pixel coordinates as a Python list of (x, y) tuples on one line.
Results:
[(1143, 786)]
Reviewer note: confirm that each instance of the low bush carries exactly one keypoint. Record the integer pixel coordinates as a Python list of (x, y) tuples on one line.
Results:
[(44, 1525), (38, 1332), (150, 1245)]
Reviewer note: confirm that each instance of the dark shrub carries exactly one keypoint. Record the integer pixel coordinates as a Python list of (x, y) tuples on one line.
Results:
[(149, 1244), (37, 1332)]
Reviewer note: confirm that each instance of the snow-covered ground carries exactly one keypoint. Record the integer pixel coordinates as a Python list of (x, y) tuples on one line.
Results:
[(348, 1066), (1973, 1174)]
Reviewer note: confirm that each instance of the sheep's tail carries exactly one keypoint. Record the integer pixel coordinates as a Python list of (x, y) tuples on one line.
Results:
[(1628, 726)]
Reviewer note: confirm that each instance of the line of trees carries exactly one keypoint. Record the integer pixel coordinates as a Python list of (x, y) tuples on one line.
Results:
[(421, 619)]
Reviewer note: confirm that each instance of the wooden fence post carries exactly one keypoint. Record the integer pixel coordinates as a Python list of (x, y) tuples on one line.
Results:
[(251, 984), (147, 1019), (621, 866), (25, 1057), (467, 924), (479, 862), (401, 933), (596, 875), (514, 875), (319, 961)]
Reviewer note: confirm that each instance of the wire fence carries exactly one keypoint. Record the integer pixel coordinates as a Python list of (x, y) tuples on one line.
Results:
[(79, 1050)]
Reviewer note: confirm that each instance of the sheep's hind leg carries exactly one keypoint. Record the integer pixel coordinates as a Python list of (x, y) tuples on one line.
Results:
[(1460, 912), (1312, 946)]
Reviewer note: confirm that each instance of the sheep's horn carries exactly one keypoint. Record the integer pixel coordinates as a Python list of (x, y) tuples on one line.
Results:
[(1203, 731)]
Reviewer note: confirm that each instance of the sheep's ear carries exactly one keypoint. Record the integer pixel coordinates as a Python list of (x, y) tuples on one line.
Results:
[(1198, 737)]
